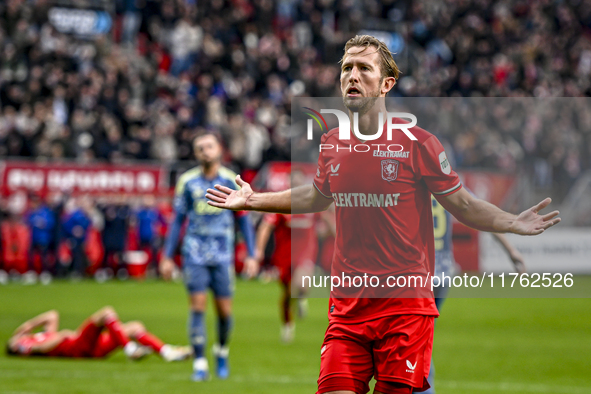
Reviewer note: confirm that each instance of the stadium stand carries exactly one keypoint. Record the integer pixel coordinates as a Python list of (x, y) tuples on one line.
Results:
[(167, 69)]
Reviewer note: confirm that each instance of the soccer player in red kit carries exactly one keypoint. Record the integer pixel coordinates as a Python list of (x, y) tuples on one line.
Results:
[(295, 244), (296, 249), (384, 226), (98, 336)]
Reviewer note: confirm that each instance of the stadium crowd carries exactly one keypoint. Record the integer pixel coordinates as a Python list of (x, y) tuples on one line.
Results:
[(172, 68)]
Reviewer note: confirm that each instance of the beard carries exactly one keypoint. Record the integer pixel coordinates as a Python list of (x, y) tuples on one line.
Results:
[(361, 105)]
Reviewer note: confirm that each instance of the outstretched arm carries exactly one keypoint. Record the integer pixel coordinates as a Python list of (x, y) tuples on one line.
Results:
[(302, 199), (484, 216)]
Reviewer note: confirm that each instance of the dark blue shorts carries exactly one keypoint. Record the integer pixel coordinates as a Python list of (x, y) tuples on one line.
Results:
[(219, 278)]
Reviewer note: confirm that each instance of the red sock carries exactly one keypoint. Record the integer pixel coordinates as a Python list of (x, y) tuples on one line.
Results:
[(150, 340), (286, 309), (116, 331)]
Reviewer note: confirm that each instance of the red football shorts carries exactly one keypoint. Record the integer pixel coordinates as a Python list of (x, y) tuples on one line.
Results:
[(396, 350), (90, 341)]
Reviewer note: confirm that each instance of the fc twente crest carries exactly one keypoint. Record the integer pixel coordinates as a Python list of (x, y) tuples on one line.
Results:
[(389, 170)]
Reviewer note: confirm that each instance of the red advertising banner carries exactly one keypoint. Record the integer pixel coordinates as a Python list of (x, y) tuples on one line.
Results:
[(72, 178)]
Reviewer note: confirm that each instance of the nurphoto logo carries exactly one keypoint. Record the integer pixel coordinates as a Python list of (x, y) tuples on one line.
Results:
[(345, 124)]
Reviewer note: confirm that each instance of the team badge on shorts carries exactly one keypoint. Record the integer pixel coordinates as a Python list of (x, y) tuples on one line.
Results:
[(389, 170)]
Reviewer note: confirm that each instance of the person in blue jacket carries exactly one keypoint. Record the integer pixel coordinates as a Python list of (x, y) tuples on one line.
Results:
[(148, 219), (41, 222), (114, 236), (75, 227)]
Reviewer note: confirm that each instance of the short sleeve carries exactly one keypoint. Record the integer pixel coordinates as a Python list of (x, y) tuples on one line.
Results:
[(181, 203), (321, 178), (435, 169)]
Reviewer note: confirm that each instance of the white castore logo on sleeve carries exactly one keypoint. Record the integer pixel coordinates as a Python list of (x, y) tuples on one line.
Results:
[(444, 163), (334, 169)]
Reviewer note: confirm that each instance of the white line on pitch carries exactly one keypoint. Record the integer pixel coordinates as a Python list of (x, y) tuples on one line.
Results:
[(512, 387), (506, 387)]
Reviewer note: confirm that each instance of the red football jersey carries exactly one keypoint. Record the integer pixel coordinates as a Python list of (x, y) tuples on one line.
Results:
[(382, 192), (295, 238), (26, 342)]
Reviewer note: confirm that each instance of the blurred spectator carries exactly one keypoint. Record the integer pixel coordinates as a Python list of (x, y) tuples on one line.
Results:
[(114, 236), (41, 222), (132, 19), (75, 225), (56, 203), (174, 67), (185, 41), (148, 222)]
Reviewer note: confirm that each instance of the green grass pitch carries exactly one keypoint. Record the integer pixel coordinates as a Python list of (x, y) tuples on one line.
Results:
[(481, 345)]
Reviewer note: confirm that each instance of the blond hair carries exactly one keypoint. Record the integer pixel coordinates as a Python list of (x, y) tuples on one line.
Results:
[(388, 66)]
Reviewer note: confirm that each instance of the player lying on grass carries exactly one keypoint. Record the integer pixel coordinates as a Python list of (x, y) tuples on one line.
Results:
[(99, 335)]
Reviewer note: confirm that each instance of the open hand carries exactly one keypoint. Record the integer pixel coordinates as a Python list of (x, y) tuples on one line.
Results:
[(226, 198), (529, 222)]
